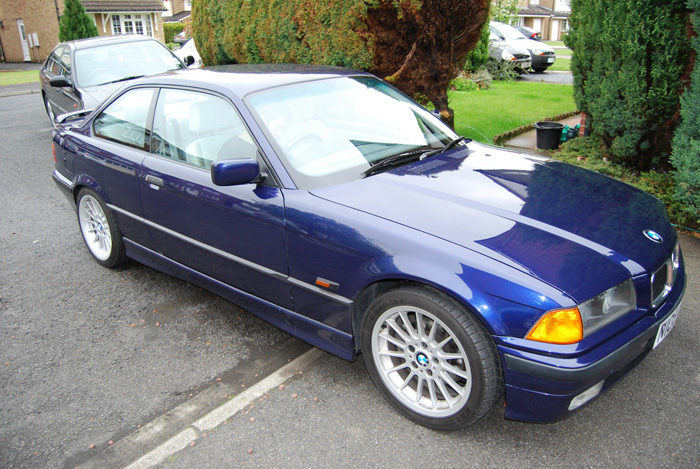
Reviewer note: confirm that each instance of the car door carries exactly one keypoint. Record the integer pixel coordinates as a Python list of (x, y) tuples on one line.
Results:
[(235, 234), (63, 99)]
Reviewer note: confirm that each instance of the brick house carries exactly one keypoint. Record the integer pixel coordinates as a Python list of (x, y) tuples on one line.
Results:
[(549, 17), (29, 28), (177, 11)]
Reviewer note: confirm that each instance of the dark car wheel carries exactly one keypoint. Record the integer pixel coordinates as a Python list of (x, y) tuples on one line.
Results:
[(539, 70), (99, 230), (431, 358), (49, 111)]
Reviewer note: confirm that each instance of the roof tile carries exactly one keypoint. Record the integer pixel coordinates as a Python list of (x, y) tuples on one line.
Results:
[(101, 6)]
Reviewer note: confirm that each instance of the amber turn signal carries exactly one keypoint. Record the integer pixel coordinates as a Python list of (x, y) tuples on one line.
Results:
[(560, 326)]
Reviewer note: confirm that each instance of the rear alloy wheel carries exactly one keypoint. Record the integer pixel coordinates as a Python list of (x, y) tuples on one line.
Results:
[(431, 358), (99, 230)]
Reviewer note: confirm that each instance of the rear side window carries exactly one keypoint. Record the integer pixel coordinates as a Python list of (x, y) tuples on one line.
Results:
[(125, 120), (65, 63)]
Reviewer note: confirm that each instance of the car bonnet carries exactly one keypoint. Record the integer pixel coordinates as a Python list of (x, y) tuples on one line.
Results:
[(572, 228)]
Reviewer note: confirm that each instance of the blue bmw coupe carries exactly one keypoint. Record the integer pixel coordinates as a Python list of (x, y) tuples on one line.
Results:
[(334, 207)]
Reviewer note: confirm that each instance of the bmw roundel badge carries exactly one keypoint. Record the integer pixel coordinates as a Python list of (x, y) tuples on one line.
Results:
[(653, 236), (422, 359)]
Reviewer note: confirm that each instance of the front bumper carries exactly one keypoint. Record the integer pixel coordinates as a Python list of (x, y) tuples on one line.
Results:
[(541, 388), (543, 61)]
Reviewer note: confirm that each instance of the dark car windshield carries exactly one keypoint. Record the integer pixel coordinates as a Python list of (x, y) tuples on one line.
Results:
[(331, 131), (114, 62)]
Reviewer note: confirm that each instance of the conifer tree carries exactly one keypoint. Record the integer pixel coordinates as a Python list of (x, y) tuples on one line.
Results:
[(686, 142), (629, 60), (75, 23)]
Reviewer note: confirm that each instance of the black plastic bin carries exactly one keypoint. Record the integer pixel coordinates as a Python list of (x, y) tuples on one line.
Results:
[(548, 135)]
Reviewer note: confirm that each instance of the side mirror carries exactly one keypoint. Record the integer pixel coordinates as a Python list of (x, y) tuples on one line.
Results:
[(235, 172), (59, 81), (189, 60)]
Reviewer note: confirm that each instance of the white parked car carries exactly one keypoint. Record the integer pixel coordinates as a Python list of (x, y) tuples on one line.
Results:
[(189, 55)]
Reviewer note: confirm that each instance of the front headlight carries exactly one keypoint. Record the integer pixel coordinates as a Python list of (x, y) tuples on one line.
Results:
[(507, 55), (608, 306), (536, 52), (568, 326)]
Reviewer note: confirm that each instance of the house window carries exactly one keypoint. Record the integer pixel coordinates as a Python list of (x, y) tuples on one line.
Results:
[(132, 24), (116, 25)]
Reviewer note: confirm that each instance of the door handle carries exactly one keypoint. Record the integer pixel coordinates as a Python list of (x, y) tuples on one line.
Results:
[(154, 182)]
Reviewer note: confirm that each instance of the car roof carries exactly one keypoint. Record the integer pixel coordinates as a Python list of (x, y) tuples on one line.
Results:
[(105, 40), (244, 79)]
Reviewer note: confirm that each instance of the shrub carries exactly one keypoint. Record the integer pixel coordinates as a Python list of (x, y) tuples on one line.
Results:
[(477, 58), (419, 45), (501, 70), (463, 84), (686, 143), (628, 63), (171, 29)]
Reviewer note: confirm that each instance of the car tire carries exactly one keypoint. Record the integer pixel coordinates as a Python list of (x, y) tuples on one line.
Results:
[(99, 229), (539, 70), (49, 111), (431, 358)]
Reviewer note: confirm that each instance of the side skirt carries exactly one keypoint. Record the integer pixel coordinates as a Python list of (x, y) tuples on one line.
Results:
[(313, 332)]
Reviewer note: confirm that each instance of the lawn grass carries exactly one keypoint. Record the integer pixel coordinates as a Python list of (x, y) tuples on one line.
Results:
[(555, 43), (561, 65), (481, 115), (14, 78)]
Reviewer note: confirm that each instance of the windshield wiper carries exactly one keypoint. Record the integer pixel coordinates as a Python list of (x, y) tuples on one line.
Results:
[(394, 161), (448, 146), (127, 78)]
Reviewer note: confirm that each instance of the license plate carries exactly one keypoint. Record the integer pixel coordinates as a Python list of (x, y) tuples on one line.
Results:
[(550, 60), (666, 326)]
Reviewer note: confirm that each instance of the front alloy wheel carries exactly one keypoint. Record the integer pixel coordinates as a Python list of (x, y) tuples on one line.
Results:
[(431, 358)]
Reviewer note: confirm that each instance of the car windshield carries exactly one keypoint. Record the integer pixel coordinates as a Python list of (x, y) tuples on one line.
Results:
[(115, 62), (509, 32), (329, 132)]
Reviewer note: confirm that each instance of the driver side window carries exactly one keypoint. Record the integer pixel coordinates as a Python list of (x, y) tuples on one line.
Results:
[(197, 129), (124, 120)]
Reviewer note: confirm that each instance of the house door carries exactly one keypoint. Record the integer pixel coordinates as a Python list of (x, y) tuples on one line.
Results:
[(23, 40), (554, 36), (537, 25)]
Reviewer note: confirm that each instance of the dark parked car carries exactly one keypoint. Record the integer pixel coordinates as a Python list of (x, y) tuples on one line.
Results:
[(529, 33), (543, 56), (81, 74), (331, 205)]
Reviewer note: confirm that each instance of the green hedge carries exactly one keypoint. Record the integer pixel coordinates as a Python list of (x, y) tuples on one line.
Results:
[(629, 59), (171, 29), (686, 143), (419, 45)]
